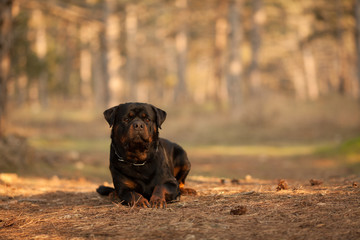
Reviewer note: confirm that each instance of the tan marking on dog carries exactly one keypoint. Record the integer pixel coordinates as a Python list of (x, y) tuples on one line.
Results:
[(131, 131), (130, 184), (176, 170), (146, 130), (138, 156)]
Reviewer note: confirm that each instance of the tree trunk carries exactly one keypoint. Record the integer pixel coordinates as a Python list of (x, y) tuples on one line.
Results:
[(5, 29), (310, 72), (181, 41), (309, 63), (258, 19), (131, 29), (105, 75), (100, 89), (68, 64), (234, 65), (112, 59), (221, 28), (294, 63), (40, 48), (298, 78), (340, 54), (86, 37), (357, 38)]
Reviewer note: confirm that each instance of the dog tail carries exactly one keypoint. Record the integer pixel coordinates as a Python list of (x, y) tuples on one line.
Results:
[(102, 190)]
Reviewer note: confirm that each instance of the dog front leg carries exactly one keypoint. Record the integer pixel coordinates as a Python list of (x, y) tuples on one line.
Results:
[(133, 198), (158, 199)]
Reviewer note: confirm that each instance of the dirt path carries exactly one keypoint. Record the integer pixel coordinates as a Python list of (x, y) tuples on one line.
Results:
[(36, 208)]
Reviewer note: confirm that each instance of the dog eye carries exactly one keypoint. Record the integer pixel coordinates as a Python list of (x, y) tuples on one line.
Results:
[(126, 119), (147, 119)]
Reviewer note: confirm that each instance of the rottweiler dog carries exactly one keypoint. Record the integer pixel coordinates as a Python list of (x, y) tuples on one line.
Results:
[(147, 171)]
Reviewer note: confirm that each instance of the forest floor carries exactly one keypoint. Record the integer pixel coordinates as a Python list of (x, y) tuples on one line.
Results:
[(38, 208), (271, 180)]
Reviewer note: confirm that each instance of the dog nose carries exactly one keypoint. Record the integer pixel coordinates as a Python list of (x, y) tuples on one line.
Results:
[(138, 125)]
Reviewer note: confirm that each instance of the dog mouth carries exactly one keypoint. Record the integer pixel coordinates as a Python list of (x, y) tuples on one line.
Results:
[(138, 151), (140, 146), (137, 146), (139, 139)]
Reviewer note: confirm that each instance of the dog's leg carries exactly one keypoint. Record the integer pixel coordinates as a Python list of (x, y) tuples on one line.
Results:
[(157, 199), (125, 189), (167, 191), (135, 199), (182, 168)]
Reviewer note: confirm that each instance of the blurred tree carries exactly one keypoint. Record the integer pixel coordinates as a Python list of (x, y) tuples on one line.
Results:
[(86, 34), (109, 51), (340, 55), (40, 48), (131, 23), (112, 59), (357, 40), (221, 29), (181, 41), (258, 20), (234, 64), (5, 41), (67, 59), (305, 31), (99, 72)]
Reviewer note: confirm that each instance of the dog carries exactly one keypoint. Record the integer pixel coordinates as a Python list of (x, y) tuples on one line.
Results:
[(147, 171)]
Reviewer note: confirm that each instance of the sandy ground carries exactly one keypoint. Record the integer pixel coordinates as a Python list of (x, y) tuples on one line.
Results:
[(39, 208)]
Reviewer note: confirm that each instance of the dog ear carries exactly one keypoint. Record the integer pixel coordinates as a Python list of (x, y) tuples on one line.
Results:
[(109, 115), (160, 116)]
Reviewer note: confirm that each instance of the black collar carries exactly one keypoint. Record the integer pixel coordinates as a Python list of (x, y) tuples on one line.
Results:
[(121, 159)]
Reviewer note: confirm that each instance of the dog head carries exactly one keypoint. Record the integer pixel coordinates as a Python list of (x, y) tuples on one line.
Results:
[(135, 129)]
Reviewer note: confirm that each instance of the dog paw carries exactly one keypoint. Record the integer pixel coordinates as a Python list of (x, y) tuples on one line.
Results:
[(188, 191), (141, 202), (157, 202)]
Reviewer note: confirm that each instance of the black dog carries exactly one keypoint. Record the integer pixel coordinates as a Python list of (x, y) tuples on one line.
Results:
[(146, 170)]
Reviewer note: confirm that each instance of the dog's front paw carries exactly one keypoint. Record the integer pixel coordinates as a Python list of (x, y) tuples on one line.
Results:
[(139, 201), (142, 202), (157, 202)]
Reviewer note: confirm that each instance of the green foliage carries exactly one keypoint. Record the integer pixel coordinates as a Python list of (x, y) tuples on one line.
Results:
[(347, 152), (351, 146), (346, 148)]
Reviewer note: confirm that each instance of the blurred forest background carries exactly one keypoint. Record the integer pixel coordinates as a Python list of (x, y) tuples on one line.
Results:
[(237, 77)]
